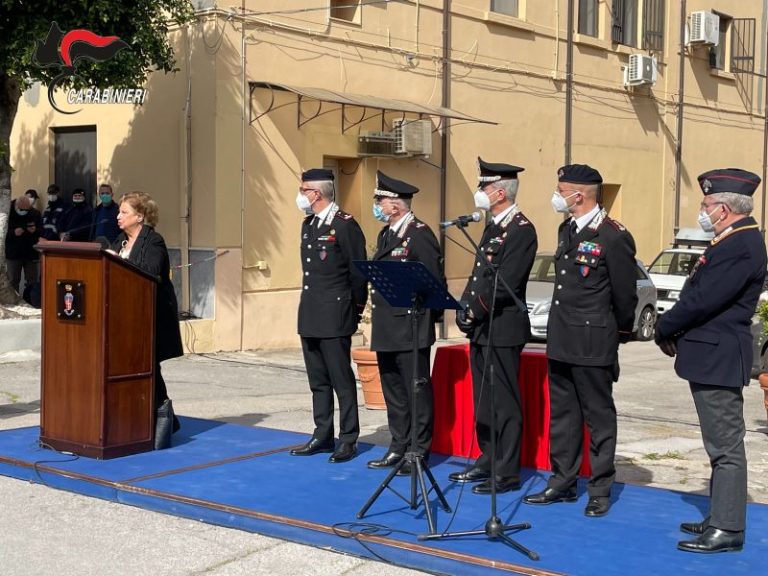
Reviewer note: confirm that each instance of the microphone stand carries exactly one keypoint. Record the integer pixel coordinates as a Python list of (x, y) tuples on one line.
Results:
[(494, 528)]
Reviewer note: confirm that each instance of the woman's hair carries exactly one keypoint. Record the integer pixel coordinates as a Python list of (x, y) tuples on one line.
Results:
[(144, 205)]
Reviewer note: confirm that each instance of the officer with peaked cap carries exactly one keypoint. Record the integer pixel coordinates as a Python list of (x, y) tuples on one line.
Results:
[(498, 335), (333, 296), (404, 238), (708, 329), (593, 309)]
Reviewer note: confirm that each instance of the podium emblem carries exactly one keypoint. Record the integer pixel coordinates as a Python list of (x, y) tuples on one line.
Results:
[(70, 300)]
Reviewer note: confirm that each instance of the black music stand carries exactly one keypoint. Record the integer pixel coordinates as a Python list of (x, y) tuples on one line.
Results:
[(494, 528), (410, 285)]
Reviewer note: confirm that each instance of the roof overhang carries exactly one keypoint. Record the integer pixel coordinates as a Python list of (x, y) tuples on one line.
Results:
[(367, 103)]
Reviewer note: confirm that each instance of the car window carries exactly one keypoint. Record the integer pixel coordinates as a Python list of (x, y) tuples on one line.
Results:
[(641, 275), (674, 263), (543, 269)]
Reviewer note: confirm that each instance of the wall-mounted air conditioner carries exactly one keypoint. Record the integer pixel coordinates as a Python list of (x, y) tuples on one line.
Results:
[(413, 137), (376, 143), (704, 29), (641, 70)]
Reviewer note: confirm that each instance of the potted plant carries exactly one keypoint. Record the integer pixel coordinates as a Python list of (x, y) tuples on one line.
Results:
[(762, 314), (368, 366)]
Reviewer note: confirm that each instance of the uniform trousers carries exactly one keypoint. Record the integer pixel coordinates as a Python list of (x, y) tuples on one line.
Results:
[(396, 371), (14, 268), (502, 396), (579, 394), (329, 370), (721, 416)]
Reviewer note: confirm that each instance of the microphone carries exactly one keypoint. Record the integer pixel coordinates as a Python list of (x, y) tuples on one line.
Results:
[(462, 221)]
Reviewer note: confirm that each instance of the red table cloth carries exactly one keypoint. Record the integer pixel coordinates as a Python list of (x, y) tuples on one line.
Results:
[(454, 431)]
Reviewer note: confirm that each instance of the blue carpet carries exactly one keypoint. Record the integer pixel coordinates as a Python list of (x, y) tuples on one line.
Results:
[(243, 477)]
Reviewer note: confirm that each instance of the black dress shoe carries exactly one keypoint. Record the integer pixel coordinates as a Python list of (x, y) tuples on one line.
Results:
[(387, 461), (314, 446), (473, 474), (695, 528), (714, 540), (502, 485), (597, 506), (551, 496), (345, 451)]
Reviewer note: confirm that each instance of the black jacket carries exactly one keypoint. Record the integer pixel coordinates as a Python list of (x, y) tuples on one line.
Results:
[(711, 321), (77, 221), (151, 255), (392, 329), (52, 215), (22, 247), (511, 245), (595, 293), (334, 292)]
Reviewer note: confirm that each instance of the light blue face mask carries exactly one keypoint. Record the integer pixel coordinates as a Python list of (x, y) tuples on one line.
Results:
[(106, 199), (378, 213)]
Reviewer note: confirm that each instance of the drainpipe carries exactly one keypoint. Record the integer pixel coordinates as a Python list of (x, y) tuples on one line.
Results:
[(186, 186), (680, 106), (243, 124), (444, 132), (765, 128), (568, 84)]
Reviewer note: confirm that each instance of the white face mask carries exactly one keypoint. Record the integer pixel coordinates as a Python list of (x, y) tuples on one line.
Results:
[(705, 220), (53, 197), (303, 203), (482, 201), (560, 204)]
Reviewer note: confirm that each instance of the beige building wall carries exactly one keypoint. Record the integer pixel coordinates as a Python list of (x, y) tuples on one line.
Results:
[(239, 174)]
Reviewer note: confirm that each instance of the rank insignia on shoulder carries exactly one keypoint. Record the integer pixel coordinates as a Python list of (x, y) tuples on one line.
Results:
[(616, 224), (344, 215), (419, 224)]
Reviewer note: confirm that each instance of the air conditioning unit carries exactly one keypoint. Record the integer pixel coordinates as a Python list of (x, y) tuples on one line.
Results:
[(376, 143), (413, 137), (704, 28), (641, 70)]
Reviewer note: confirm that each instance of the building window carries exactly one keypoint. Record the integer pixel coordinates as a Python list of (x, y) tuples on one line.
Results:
[(346, 10), (508, 7), (653, 25), (625, 22), (743, 45), (588, 17), (718, 55)]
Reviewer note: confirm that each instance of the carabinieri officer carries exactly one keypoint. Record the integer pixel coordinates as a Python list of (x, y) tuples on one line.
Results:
[(405, 238)]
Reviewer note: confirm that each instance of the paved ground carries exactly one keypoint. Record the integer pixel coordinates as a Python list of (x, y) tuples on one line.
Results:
[(45, 531)]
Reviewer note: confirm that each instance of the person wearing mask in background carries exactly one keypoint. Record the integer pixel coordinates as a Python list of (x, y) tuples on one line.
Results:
[(330, 308), (139, 244), (33, 197), (76, 223), (105, 216), (53, 213), (708, 329), (404, 238), (24, 227)]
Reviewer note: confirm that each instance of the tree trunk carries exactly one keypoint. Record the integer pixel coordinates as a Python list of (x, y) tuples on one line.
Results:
[(10, 92)]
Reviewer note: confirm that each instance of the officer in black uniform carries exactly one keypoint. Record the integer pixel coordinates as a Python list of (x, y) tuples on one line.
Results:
[(405, 238), (509, 243), (333, 297), (593, 309), (709, 330)]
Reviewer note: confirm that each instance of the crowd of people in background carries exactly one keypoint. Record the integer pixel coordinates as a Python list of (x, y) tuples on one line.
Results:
[(60, 220)]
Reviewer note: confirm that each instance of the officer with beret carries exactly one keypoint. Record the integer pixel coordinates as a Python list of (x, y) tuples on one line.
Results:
[(708, 330), (333, 296), (593, 309), (404, 238), (508, 244)]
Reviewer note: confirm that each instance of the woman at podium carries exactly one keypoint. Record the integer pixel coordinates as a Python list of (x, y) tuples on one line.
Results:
[(139, 244)]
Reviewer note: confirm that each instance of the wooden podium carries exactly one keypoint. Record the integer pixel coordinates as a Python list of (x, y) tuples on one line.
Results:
[(98, 335)]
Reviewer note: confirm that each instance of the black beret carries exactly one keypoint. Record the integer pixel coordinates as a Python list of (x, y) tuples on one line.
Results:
[(491, 172), (316, 174), (729, 180), (391, 188), (579, 174)]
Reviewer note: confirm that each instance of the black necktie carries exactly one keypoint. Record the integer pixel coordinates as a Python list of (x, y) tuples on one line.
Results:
[(572, 230)]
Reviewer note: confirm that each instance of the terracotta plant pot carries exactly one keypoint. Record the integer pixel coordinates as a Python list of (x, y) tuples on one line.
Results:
[(368, 371), (763, 379)]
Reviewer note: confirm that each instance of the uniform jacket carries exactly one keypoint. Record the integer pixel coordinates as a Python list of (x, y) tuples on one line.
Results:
[(511, 245), (77, 221), (392, 330), (334, 291), (711, 320), (22, 247), (51, 217), (150, 254), (595, 293), (105, 222)]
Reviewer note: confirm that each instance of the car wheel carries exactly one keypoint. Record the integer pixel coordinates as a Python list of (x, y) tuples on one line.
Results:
[(646, 326)]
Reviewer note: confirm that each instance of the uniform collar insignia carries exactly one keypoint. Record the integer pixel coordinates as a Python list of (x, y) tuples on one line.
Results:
[(598, 219)]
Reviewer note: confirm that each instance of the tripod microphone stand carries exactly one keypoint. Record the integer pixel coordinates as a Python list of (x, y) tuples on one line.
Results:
[(397, 281), (494, 528)]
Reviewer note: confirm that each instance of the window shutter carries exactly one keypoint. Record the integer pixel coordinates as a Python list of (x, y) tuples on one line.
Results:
[(653, 25), (617, 30)]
